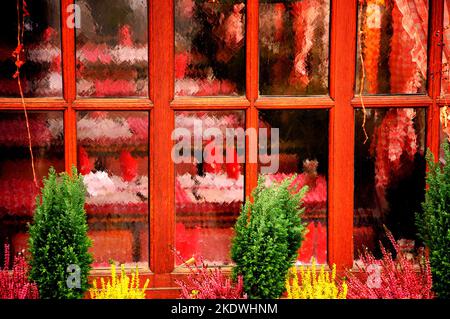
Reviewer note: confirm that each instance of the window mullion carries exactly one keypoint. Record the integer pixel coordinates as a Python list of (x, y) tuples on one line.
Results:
[(69, 80), (435, 73), (252, 88), (341, 183)]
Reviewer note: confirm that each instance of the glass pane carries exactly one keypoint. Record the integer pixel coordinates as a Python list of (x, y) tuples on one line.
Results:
[(209, 47), (113, 156), (303, 150), (446, 50), (294, 39), (41, 73), (393, 45), (17, 189), (208, 191), (112, 54), (389, 176)]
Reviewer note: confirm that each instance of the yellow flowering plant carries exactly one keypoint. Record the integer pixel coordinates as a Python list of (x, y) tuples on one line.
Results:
[(119, 287), (313, 285)]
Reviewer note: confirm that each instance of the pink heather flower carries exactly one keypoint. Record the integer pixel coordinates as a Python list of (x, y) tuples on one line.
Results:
[(398, 278), (14, 282), (205, 283)]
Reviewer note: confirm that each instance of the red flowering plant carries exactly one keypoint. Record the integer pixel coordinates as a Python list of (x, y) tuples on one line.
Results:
[(14, 283), (390, 278), (207, 283)]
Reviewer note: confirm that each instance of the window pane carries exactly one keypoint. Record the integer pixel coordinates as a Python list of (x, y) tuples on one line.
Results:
[(112, 54), (294, 39), (113, 156), (17, 189), (41, 73), (389, 176), (393, 39), (209, 47), (303, 150), (208, 192), (446, 51)]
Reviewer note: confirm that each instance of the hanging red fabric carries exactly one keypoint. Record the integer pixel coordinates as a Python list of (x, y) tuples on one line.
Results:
[(408, 58)]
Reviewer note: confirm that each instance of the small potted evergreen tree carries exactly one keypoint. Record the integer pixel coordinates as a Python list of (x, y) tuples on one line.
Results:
[(269, 232), (60, 261), (433, 222)]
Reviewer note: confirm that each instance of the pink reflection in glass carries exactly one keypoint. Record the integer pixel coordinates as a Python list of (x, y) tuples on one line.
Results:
[(393, 45), (209, 48), (208, 195), (41, 74), (294, 40), (303, 150), (113, 158), (112, 53), (389, 176), (17, 189)]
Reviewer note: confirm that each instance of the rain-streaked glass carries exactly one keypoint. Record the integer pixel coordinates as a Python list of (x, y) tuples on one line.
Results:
[(303, 150), (392, 42), (208, 191), (113, 158), (17, 188), (41, 74), (389, 177), (112, 48), (294, 41), (209, 47)]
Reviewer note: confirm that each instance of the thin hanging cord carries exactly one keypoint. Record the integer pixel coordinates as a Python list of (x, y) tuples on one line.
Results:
[(19, 63), (363, 74)]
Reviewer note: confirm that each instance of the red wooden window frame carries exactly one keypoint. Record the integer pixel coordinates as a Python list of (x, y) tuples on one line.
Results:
[(162, 104)]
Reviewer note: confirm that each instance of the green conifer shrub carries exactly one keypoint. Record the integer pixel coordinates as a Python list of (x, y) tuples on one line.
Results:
[(433, 222), (268, 234), (60, 261)]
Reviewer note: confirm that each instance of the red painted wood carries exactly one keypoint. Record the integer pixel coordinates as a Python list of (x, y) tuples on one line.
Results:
[(342, 79), (290, 102), (112, 103), (33, 103), (444, 99), (68, 53), (392, 101), (70, 139), (162, 210), (435, 75), (252, 52), (33, 107), (69, 85), (185, 103), (252, 81)]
